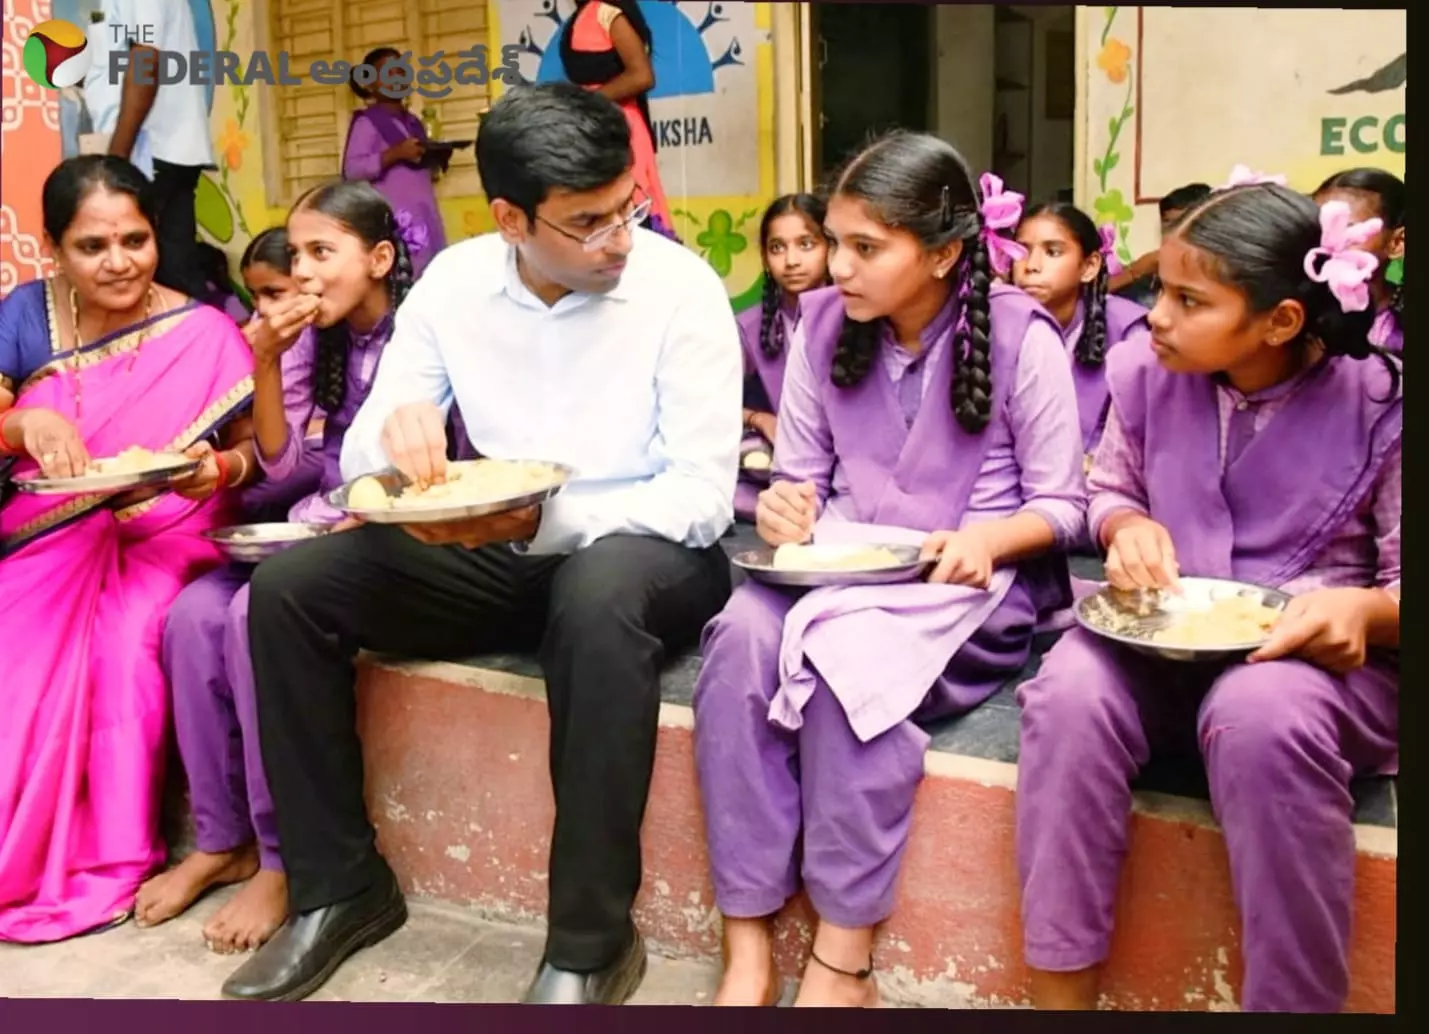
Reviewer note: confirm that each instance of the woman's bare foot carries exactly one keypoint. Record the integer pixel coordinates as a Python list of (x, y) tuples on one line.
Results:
[(1066, 992), (251, 917), (750, 976), (840, 970), (171, 892)]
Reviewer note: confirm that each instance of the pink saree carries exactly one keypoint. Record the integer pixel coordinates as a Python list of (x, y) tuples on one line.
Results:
[(83, 592)]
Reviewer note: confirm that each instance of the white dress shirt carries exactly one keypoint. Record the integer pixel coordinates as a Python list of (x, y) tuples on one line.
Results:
[(177, 125), (639, 389)]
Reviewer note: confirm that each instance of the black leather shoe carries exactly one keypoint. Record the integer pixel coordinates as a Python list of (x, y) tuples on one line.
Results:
[(613, 985), (308, 948)]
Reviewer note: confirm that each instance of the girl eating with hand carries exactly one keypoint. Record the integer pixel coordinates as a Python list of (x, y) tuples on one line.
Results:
[(1254, 435), (922, 405), (318, 348)]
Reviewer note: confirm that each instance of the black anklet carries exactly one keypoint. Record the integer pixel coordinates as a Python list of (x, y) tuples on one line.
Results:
[(862, 974)]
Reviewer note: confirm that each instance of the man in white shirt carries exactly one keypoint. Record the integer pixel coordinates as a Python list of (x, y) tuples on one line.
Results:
[(174, 120), (574, 336)]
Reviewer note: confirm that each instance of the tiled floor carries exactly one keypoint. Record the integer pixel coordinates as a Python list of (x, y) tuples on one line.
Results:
[(441, 955)]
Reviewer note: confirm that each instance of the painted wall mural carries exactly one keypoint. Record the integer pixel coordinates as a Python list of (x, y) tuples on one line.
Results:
[(1279, 99), (713, 111), (29, 148)]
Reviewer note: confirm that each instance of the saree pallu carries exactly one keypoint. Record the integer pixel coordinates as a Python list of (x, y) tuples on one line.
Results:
[(84, 589)]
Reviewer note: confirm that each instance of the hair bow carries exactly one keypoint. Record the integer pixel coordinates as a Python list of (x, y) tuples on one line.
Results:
[(1001, 210), (1339, 262), (1108, 249), (1242, 176), (413, 234)]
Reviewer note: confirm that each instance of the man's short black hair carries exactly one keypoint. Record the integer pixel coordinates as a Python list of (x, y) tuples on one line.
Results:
[(1183, 198), (550, 136)]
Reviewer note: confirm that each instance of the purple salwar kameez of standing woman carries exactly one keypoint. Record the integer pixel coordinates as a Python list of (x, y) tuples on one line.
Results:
[(803, 734), (205, 643), (407, 187), (1301, 493), (763, 387)]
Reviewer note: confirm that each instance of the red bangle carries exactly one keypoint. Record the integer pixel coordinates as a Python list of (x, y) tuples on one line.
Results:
[(222, 465), (5, 449)]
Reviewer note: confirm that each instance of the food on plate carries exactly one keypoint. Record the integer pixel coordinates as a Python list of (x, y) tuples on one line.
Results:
[(853, 557), (468, 483), (134, 460), (1238, 619), (367, 493)]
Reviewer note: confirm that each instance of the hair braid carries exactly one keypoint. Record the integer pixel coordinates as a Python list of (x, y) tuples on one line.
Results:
[(1091, 347), (972, 370), (771, 327)]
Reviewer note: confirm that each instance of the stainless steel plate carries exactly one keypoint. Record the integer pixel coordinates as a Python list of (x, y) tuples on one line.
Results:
[(109, 484), (759, 564), (393, 482), (1132, 618), (254, 543)]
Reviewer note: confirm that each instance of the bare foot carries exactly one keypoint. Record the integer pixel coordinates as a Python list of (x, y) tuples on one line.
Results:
[(254, 914), (171, 892), (750, 986), (750, 976), (824, 989)]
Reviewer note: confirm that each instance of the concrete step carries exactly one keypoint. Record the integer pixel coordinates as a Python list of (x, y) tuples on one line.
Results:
[(457, 784)]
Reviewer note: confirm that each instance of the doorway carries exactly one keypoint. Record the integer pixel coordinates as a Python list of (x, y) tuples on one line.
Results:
[(871, 72)]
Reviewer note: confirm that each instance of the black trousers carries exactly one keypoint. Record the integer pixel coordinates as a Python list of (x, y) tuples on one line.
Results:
[(603, 621), (180, 266)]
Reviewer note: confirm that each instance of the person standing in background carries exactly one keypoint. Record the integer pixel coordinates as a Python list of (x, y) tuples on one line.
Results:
[(386, 145), (607, 47), (174, 118)]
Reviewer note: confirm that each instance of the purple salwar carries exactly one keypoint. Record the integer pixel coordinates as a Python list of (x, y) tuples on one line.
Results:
[(798, 743), (205, 654), (1312, 501), (205, 642)]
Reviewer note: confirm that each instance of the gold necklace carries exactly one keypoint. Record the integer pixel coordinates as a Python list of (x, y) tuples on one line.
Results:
[(149, 299)]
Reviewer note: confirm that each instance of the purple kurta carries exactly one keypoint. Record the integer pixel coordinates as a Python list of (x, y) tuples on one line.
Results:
[(1297, 487), (1387, 333), (407, 188), (1123, 318), (763, 386), (836, 753), (205, 644)]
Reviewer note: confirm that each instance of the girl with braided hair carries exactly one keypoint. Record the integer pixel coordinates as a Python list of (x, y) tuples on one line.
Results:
[(1376, 194), (796, 259), (922, 405), (1066, 269), (318, 348), (1255, 434)]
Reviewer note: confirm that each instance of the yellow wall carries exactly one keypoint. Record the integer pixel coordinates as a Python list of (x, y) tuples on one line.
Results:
[(722, 228), (1216, 87)]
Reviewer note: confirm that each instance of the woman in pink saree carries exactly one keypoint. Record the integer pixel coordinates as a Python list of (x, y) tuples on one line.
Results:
[(92, 362)]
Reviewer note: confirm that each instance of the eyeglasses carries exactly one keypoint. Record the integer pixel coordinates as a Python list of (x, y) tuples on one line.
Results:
[(598, 239)]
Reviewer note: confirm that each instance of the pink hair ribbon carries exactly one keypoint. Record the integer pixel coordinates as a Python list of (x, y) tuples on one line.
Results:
[(1339, 262), (1242, 176), (1001, 210)]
